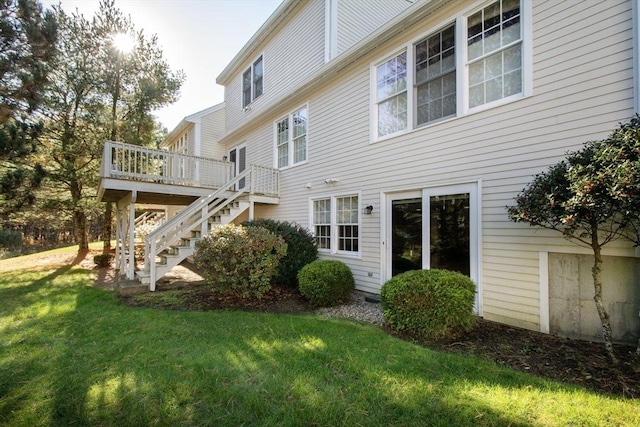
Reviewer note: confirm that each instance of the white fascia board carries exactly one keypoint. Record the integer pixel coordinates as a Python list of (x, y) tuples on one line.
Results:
[(405, 19)]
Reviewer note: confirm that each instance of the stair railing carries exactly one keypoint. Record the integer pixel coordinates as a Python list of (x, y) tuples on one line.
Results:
[(195, 216)]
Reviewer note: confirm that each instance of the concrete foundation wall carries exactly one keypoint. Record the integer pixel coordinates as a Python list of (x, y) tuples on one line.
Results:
[(572, 311)]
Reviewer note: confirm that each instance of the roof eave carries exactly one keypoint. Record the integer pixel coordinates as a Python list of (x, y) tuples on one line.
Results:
[(247, 51), (405, 19)]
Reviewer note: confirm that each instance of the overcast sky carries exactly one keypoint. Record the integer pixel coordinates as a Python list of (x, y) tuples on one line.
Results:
[(199, 37)]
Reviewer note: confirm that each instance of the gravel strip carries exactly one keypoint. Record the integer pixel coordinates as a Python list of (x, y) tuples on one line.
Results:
[(358, 309)]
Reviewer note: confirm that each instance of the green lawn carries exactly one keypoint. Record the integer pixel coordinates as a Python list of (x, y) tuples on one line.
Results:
[(71, 354)]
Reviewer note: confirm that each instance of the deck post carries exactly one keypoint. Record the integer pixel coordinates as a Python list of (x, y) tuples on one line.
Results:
[(131, 268)]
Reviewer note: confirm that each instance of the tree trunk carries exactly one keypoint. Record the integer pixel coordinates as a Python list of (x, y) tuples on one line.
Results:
[(107, 228), (597, 284), (80, 225), (79, 216)]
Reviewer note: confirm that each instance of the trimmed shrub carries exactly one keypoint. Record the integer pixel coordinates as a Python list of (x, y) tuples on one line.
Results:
[(103, 260), (238, 259), (326, 283), (429, 304), (301, 248)]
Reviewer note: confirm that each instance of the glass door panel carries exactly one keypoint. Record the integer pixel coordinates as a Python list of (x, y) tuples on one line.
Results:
[(449, 232), (406, 235)]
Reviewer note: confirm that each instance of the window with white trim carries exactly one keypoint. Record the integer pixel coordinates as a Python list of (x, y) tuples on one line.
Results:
[(291, 139), (252, 82), (322, 223), (420, 84), (336, 224), (391, 95)]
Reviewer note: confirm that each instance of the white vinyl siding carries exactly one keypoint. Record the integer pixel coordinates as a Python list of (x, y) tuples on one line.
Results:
[(583, 87), (284, 66), (353, 25), (212, 130)]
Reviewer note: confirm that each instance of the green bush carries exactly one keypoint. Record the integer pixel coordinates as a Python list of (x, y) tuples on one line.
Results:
[(429, 304), (238, 259), (103, 260), (326, 283), (10, 239), (301, 248)]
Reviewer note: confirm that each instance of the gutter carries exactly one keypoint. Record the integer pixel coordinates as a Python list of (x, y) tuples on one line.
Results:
[(404, 20)]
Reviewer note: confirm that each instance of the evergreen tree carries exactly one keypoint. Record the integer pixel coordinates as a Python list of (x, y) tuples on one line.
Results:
[(27, 37)]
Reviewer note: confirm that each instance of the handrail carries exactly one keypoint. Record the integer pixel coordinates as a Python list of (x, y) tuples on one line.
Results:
[(127, 161), (253, 180)]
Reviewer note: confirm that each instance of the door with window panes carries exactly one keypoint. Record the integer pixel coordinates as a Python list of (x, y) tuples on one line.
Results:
[(433, 228)]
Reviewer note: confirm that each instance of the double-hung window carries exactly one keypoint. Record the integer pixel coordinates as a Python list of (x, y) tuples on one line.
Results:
[(291, 138), (252, 82), (473, 61), (336, 224)]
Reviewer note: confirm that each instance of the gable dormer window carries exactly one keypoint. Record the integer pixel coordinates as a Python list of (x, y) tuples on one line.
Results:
[(252, 82)]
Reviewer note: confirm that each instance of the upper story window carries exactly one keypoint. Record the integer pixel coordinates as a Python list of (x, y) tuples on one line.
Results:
[(291, 139), (391, 95), (252, 82), (494, 50), (470, 63)]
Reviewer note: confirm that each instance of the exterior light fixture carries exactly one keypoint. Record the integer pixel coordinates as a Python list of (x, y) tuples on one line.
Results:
[(367, 210), (331, 181)]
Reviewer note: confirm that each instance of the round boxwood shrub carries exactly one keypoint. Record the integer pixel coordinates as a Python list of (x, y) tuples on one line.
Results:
[(301, 248), (326, 283), (429, 304)]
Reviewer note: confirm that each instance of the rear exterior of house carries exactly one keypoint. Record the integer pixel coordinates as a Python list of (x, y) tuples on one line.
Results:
[(437, 120), (401, 130)]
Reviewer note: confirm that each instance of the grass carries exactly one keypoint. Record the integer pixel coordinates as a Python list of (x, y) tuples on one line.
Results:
[(71, 354)]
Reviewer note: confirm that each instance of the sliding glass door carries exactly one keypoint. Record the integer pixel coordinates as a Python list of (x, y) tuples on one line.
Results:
[(433, 228)]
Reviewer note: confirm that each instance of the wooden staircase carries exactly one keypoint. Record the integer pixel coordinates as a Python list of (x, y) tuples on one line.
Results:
[(185, 246), (176, 239)]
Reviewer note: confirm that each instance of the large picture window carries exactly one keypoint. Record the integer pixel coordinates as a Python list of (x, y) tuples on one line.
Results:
[(252, 82), (291, 139), (336, 224), (475, 60)]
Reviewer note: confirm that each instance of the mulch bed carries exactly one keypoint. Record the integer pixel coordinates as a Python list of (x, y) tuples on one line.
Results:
[(581, 363)]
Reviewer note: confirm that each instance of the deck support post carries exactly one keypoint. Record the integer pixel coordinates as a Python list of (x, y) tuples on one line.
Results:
[(131, 268)]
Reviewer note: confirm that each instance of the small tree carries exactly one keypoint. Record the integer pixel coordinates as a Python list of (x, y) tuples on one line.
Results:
[(592, 198)]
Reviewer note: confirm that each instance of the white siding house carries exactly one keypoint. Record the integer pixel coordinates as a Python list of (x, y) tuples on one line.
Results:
[(401, 130), (557, 75)]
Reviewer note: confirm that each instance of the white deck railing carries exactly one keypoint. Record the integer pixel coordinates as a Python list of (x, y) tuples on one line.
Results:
[(133, 162)]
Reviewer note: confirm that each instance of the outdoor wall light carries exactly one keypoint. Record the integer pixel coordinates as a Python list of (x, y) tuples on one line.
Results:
[(367, 210), (331, 181), (224, 158)]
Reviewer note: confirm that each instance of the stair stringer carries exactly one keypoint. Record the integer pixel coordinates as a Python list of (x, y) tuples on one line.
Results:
[(183, 246)]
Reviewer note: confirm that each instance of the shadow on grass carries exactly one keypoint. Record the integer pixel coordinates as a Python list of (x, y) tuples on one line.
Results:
[(107, 364)]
